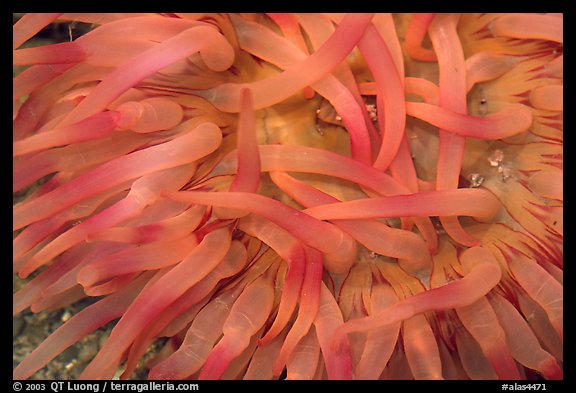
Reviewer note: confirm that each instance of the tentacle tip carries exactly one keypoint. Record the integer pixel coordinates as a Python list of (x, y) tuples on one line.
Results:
[(18, 374), (86, 277), (25, 271)]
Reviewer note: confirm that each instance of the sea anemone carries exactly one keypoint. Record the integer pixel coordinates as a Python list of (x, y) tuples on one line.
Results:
[(294, 196)]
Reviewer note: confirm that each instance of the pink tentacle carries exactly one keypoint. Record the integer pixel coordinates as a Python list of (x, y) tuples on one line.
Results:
[(541, 287), (93, 127), (329, 318), (81, 324), (309, 300), (187, 148), (29, 25), (148, 257), (156, 298), (472, 202), (62, 53), (304, 360), (522, 341), (481, 321), (525, 26), (421, 348), (247, 316), (380, 342), (291, 250), (392, 120), (199, 340), (512, 120), (145, 191), (177, 315), (415, 34), (452, 86), (168, 229)]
